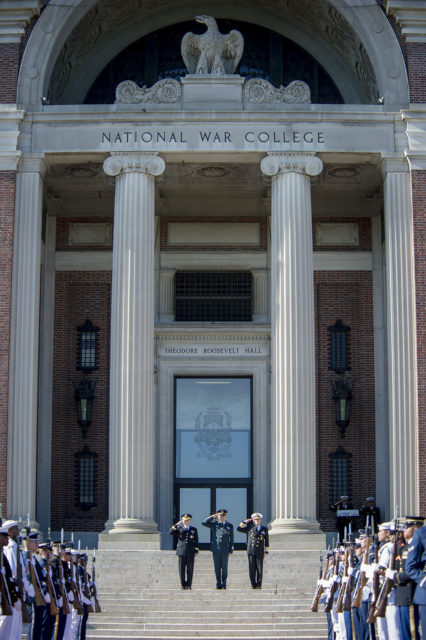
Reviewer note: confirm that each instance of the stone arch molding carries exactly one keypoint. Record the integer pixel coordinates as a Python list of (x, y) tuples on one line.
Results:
[(352, 39)]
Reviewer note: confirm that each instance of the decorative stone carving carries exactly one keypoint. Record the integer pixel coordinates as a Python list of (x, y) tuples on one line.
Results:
[(304, 163), (260, 91), (212, 52), (149, 163), (164, 91)]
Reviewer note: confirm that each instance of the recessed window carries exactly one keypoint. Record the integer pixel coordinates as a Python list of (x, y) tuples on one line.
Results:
[(340, 473), (87, 347), (206, 296), (85, 477), (339, 347)]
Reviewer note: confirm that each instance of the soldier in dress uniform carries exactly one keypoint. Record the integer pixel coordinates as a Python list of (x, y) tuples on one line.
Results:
[(370, 514), (40, 625), (342, 522), (221, 544), (408, 615), (14, 555), (415, 567), (10, 589), (257, 547), (187, 548)]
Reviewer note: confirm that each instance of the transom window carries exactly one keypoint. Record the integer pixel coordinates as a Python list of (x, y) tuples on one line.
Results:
[(205, 296)]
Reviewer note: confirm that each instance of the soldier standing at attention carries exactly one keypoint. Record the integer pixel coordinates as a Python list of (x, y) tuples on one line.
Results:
[(221, 544), (257, 547), (415, 567), (187, 548)]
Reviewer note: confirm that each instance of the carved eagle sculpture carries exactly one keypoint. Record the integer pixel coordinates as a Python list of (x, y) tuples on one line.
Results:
[(212, 52)]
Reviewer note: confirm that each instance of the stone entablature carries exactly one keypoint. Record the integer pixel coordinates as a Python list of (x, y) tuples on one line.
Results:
[(15, 17), (411, 16)]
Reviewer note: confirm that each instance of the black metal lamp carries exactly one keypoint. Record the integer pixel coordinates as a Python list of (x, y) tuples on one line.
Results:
[(84, 396), (342, 397)]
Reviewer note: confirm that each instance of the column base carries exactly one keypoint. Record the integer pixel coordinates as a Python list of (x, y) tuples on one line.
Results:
[(131, 530), (296, 533)]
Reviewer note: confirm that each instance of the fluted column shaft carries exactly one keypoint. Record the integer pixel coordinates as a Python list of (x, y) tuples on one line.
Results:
[(132, 442), (292, 343), (401, 337), (24, 340)]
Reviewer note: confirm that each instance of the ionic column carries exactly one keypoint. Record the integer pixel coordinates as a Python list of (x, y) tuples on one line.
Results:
[(401, 337), (292, 344), (132, 441), (24, 341)]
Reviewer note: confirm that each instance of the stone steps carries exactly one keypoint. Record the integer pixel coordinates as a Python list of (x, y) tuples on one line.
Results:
[(143, 598)]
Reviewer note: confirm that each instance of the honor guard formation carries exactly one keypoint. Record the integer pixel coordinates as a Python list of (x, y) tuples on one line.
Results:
[(374, 585), (45, 589)]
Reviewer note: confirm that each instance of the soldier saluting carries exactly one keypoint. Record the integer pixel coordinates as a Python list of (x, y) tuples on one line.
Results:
[(221, 544), (257, 547), (187, 548)]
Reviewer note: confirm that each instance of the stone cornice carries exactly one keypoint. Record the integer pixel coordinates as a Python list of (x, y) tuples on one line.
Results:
[(411, 17), (14, 17)]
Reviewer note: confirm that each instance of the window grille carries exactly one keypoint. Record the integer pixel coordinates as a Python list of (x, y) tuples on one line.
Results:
[(85, 478), (340, 474), (339, 347), (213, 296), (87, 347)]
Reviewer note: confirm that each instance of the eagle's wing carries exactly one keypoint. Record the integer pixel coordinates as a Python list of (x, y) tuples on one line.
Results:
[(232, 50), (190, 50)]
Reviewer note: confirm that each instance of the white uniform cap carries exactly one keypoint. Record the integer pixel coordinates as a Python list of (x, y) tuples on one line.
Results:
[(4, 531), (9, 523), (257, 515), (386, 526)]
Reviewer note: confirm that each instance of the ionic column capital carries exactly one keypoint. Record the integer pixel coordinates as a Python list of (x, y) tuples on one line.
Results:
[(148, 163), (305, 163)]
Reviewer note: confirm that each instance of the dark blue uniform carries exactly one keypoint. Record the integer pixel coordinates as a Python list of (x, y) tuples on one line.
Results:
[(257, 546), (187, 547), (415, 567), (221, 545)]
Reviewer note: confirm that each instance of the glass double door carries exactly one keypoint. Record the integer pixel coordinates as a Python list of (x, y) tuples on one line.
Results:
[(213, 450)]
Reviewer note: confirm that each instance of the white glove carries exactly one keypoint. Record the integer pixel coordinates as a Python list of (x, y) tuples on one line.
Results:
[(366, 593), (63, 581), (390, 573), (31, 591), (350, 571), (369, 571), (18, 605), (71, 596), (60, 602), (345, 579), (324, 583), (3, 570), (364, 567), (33, 561), (46, 598)]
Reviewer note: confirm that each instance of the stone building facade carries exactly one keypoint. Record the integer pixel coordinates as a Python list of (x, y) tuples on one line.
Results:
[(225, 274)]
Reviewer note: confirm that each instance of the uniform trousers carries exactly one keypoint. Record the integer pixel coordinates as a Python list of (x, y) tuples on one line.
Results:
[(59, 628), (422, 614), (68, 628), (16, 630), (408, 620), (220, 560), (359, 617), (75, 624), (392, 622), (382, 629), (83, 623), (6, 627), (186, 570), (255, 570)]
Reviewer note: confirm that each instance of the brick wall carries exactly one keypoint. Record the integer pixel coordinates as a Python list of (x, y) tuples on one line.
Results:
[(419, 221), (79, 296), (7, 207), (9, 68), (347, 296), (416, 55)]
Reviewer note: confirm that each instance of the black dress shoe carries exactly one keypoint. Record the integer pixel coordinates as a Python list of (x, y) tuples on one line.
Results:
[(218, 587)]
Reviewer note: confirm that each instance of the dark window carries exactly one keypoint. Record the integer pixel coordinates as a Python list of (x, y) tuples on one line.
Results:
[(213, 297), (267, 55), (340, 474), (85, 476), (87, 347), (339, 347)]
